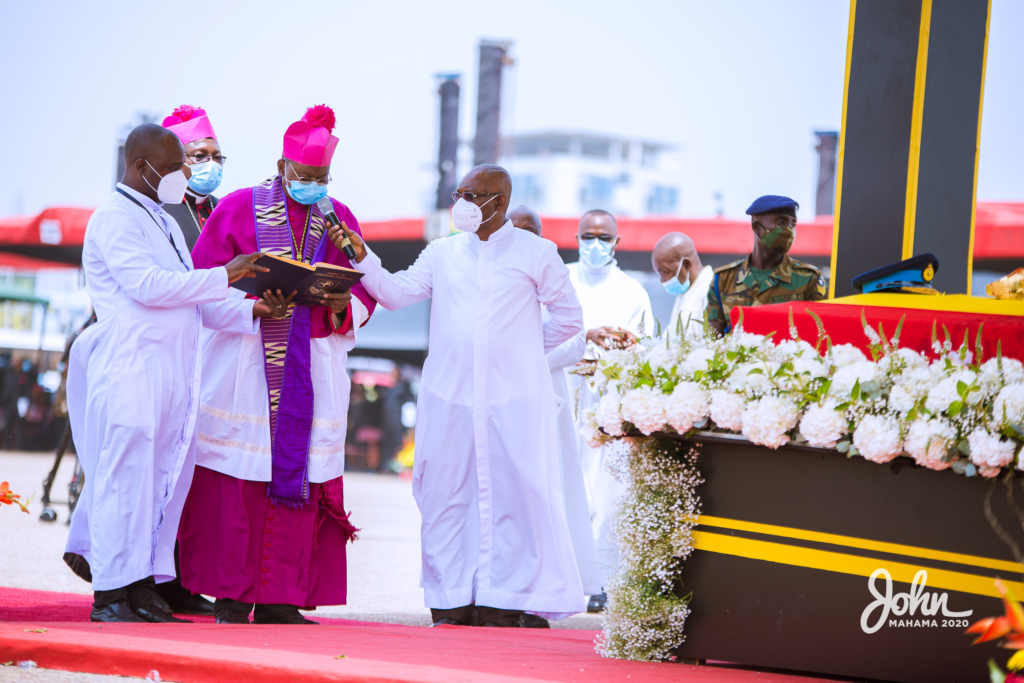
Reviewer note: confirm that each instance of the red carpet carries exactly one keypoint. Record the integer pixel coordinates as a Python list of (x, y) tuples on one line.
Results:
[(52, 629)]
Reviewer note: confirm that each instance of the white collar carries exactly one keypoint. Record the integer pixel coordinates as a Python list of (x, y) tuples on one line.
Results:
[(143, 199), (200, 199)]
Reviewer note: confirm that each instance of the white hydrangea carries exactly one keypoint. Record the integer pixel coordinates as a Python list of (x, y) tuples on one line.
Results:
[(788, 349), (590, 429), (877, 438), (660, 356), (911, 359), (741, 380), (1008, 408), (739, 339), (823, 425), (696, 360), (813, 365), (609, 415), (848, 375), (842, 355), (766, 421), (687, 405), (902, 399), (928, 441), (991, 380), (945, 392), (727, 409), (989, 450), (645, 408)]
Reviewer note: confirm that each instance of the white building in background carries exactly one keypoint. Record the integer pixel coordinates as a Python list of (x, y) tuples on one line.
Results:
[(567, 174)]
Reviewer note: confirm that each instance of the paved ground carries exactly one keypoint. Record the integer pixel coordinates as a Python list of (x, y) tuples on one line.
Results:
[(10, 674), (383, 565)]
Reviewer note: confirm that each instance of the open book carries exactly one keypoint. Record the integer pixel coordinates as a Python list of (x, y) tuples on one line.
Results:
[(310, 281)]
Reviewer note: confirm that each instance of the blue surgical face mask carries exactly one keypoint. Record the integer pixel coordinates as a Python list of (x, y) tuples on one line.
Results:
[(205, 177), (306, 193), (596, 253), (674, 286)]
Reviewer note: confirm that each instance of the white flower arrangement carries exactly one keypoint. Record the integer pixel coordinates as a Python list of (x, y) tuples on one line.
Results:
[(951, 410), (955, 411)]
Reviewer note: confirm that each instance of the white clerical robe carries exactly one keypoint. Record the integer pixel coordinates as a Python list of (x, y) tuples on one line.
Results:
[(610, 298), (133, 387), (690, 304), (487, 473), (574, 488)]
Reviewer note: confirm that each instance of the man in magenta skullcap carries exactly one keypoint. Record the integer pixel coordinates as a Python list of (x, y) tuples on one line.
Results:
[(205, 161), (264, 525)]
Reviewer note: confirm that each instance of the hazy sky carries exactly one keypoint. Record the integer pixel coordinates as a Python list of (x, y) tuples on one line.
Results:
[(739, 86)]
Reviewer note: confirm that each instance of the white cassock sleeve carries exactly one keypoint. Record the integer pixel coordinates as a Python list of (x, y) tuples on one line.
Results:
[(395, 290), (555, 291), (568, 353), (234, 314), (127, 255)]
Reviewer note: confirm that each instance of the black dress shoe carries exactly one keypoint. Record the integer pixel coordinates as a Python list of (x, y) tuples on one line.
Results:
[(160, 603), (193, 604), (120, 611), (597, 603), (447, 622), (231, 616), (279, 614), (155, 615), (527, 620)]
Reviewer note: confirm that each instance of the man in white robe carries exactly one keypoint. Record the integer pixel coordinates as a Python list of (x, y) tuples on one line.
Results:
[(495, 541), (133, 380), (615, 306), (676, 261), (561, 359)]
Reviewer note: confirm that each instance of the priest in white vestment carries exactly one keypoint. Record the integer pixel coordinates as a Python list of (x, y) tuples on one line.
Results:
[(677, 263), (133, 379), (495, 541), (613, 303), (560, 360)]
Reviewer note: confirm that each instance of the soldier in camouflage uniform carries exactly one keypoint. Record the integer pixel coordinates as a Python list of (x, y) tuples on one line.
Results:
[(768, 275)]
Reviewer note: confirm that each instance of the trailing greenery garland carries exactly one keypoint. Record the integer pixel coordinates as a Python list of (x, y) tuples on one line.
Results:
[(653, 524)]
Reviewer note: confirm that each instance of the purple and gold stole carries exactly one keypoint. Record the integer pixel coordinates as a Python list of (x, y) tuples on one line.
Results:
[(286, 348)]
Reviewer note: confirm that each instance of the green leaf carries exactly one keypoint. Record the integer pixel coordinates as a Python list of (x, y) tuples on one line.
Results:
[(899, 328), (855, 392), (842, 406), (954, 408), (961, 388), (756, 371), (853, 450), (995, 674), (843, 446), (964, 446), (732, 355), (978, 352)]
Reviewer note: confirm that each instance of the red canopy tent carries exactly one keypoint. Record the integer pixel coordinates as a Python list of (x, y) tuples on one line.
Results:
[(54, 237)]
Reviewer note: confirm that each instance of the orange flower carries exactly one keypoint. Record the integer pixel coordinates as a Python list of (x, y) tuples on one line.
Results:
[(7, 497)]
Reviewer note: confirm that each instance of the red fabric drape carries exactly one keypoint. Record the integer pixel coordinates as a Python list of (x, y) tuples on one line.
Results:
[(843, 324)]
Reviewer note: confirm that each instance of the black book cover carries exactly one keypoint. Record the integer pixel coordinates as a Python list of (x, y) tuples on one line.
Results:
[(311, 282)]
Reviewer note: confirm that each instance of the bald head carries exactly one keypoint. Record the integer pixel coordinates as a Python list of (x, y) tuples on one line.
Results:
[(147, 140), (490, 186), (598, 219), (525, 218), (150, 153), (676, 253)]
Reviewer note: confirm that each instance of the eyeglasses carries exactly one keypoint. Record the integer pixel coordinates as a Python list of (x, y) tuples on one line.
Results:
[(603, 238), (203, 158), (303, 179), (469, 196)]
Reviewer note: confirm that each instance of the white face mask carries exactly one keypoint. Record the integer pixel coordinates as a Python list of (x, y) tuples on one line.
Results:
[(467, 216), (171, 188)]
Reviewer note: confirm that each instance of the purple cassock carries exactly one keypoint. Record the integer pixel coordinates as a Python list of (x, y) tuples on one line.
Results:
[(265, 520)]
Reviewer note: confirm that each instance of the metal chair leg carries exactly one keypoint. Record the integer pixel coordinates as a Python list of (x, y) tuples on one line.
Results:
[(49, 514)]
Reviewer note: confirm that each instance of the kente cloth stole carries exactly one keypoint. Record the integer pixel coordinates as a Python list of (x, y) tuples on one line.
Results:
[(286, 348)]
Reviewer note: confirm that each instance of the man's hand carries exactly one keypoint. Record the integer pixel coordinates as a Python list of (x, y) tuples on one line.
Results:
[(603, 335), (244, 266), (337, 301), (272, 305), (337, 233)]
